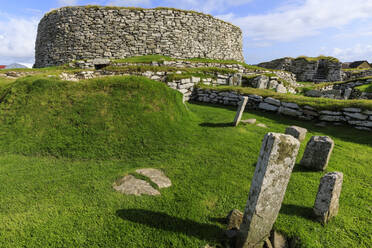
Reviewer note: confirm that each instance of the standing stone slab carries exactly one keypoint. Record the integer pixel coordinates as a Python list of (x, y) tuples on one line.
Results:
[(317, 153), (327, 200), (297, 132), (240, 111), (273, 170)]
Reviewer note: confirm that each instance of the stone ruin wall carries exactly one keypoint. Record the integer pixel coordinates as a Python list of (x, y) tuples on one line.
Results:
[(77, 33), (321, 70)]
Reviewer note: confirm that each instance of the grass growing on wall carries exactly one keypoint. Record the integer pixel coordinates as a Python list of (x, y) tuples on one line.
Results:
[(365, 88)]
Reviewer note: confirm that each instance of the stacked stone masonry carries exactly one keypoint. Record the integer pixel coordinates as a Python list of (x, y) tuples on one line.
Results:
[(356, 117), (76, 33), (315, 70), (344, 90)]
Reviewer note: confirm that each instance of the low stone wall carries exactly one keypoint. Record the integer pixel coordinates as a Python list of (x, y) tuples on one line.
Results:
[(355, 117), (287, 76), (342, 91)]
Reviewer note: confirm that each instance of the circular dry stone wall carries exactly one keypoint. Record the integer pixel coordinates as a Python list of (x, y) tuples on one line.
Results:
[(89, 32)]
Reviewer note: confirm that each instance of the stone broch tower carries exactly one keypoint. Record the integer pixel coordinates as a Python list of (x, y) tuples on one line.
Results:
[(89, 32)]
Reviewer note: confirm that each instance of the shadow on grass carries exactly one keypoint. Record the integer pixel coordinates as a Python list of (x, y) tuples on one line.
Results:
[(300, 168), (208, 124), (295, 210), (202, 231)]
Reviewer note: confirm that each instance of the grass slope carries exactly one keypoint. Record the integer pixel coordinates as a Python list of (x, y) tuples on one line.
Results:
[(59, 202), (102, 118)]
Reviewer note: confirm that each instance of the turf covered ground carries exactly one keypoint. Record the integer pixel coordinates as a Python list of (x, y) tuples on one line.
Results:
[(56, 172)]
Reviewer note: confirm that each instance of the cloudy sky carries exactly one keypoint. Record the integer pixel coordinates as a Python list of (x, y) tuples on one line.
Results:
[(271, 28)]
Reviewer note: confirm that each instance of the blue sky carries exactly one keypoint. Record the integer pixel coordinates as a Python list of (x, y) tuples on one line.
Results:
[(271, 28)]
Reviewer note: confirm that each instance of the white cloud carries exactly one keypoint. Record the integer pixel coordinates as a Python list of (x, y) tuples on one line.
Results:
[(208, 6), (17, 38), (135, 3), (298, 20), (357, 52), (67, 2)]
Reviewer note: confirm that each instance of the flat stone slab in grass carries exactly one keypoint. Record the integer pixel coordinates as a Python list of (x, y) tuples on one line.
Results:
[(261, 125), (130, 185), (249, 121), (157, 176), (297, 132)]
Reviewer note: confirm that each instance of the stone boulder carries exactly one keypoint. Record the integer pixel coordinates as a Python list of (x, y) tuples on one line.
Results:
[(297, 132)]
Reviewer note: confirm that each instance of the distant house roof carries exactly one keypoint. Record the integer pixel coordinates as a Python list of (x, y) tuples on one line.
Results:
[(2, 66), (355, 64)]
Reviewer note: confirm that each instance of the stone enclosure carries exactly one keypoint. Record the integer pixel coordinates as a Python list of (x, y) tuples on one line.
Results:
[(89, 32), (315, 70)]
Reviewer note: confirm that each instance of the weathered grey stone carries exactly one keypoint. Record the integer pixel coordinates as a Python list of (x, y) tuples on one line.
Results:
[(358, 116), (332, 118), (240, 111), (290, 105), (297, 132), (249, 121), (100, 61), (327, 112), (272, 101), (273, 84), (361, 123), (236, 79), (157, 176), (130, 185), (347, 93), (281, 89), (313, 93), (353, 110), (327, 199), (317, 152), (234, 219), (289, 111), (268, 107), (273, 170), (261, 82)]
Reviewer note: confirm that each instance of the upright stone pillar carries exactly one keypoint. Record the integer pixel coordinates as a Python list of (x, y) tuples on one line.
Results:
[(317, 153), (240, 111), (326, 202), (273, 170)]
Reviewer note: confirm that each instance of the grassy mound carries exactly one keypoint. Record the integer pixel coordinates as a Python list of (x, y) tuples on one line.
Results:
[(116, 117)]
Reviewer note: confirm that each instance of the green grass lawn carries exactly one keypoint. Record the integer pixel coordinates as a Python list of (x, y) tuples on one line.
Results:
[(63, 197)]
